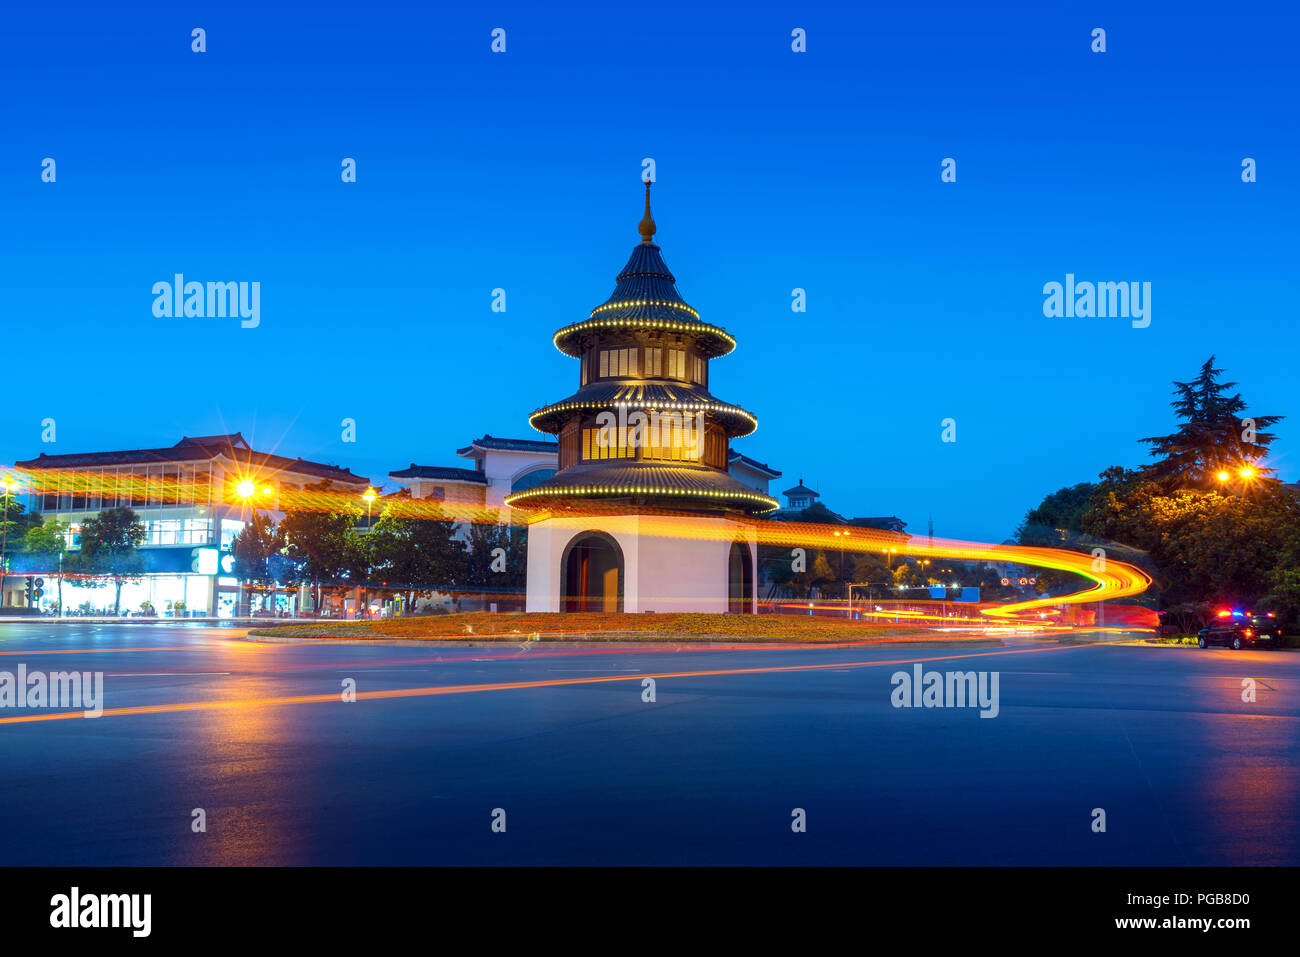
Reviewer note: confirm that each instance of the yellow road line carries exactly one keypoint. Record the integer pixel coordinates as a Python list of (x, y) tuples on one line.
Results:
[(335, 696)]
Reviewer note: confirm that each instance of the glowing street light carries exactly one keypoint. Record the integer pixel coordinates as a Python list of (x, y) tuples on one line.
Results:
[(246, 488), (846, 535), (1247, 473), (369, 496), (1223, 476)]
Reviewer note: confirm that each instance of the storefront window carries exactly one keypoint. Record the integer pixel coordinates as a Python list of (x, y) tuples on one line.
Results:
[(230, 529)]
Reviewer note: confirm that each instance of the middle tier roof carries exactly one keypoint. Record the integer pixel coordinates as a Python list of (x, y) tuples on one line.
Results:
[(645, 396)]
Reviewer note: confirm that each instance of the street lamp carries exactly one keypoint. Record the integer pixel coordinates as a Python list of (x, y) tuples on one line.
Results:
[(245, 489), (369, 496)]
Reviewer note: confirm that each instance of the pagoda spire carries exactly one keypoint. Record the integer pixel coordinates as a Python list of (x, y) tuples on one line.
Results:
[(647, 225)]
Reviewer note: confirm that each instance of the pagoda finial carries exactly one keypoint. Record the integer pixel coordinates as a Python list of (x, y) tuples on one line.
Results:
[(647, 226)]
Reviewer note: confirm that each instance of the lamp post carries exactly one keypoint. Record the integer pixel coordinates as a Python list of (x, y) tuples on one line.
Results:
[(837, 535), (369, 497), (244, 490)]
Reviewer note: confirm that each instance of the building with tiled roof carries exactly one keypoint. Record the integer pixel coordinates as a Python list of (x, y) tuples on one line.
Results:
[(501, 467), (643, 433), (193, 499), (799, 497)]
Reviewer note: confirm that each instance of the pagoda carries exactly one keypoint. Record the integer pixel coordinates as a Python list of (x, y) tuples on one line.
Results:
[(642, 514)]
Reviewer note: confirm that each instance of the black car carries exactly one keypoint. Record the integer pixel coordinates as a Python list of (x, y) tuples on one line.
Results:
[(1241, 629)]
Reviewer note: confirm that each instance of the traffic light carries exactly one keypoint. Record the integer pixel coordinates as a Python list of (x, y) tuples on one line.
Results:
[(28, 588), (38, 588)]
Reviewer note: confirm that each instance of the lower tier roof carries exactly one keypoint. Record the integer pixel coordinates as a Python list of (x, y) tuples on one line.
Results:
[(680, 485)]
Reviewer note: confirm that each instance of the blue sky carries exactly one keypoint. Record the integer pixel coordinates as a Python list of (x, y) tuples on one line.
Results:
[(775, 170)]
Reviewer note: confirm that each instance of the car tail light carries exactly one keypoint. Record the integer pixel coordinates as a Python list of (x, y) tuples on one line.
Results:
[(1248, 633)]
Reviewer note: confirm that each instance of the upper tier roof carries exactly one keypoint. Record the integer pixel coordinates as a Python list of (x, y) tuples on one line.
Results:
[(645, 296)]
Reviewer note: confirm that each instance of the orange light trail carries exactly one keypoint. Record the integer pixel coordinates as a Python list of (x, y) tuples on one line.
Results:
[(1111, 581)]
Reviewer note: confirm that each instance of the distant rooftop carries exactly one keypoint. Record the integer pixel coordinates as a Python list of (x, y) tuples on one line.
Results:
[(801, 489), (890, 523), (448, 473), (509, 445), (753, 464)]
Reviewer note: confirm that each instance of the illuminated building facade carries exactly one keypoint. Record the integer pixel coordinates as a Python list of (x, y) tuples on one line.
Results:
[(643, 513), (193, 499)]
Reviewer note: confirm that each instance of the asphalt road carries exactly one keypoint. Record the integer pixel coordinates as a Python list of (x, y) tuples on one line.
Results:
[(589, 773)]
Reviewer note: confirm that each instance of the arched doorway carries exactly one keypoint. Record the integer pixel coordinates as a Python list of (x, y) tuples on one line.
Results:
[(592, 574), (740, 580)]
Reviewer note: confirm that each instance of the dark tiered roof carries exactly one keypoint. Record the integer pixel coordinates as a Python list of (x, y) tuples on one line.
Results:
[(646, 296), (652, 482), (646, 394), (449, 473)]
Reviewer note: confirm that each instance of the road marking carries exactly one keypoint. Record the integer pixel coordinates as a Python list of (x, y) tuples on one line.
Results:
[(334, 696), (106, 651), (160, 674)]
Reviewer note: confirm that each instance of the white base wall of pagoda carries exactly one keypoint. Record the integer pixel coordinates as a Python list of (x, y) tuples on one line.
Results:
[(666, 564)]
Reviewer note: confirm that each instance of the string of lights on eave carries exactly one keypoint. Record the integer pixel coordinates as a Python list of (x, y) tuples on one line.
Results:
[(770, 503), (725, 343), (714, 408), (643, 303)]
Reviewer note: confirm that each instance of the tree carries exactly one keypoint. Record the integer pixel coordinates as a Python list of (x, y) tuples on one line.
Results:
[(1283, 598), (415, 551), (108, 548), (1213, 434), (258, 552), (1056, 515), (46, 541), (907, 577), (1202, 538), (1205, 546), (871, 569), (1057, 522), (323, 545), (483, 566), (821, 573), (15, 520)]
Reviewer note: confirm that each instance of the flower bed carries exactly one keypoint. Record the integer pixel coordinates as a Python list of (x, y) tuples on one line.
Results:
[(550, 626)]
